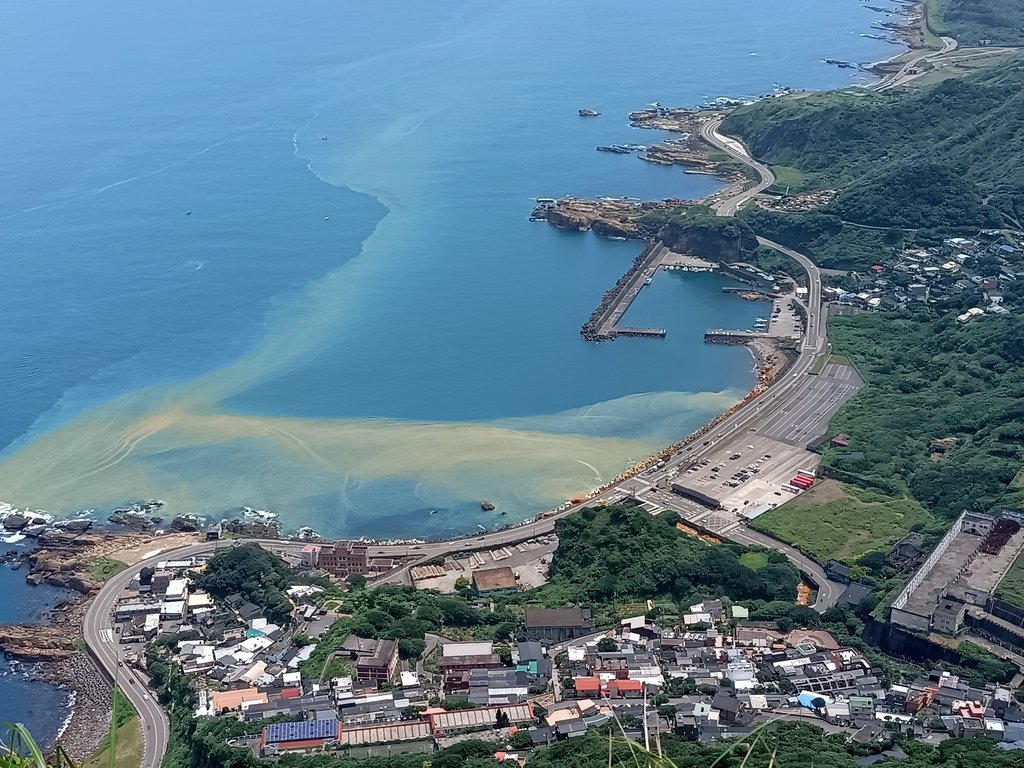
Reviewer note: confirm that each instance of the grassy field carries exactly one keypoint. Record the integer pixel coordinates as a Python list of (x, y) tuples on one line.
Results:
[(128, 752), (1011, 588), (755, 561), (102, 568), (824, 360), (787, 177), (837, 521)]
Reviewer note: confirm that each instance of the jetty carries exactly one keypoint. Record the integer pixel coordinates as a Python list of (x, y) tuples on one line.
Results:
[(603, 323), (722, 336), (630, 331)]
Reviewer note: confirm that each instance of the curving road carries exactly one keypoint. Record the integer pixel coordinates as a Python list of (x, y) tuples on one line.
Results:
[(733, 148), (905, 74), (759, 410), (102, 640), (98, 631)]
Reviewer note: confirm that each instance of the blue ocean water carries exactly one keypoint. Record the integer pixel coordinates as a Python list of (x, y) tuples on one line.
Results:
[(207, 300), (283, 258), (39, 705)]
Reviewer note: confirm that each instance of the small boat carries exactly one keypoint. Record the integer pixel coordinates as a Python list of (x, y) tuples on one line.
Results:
[(327, 218), (434, 511), (323, 138), (647, 281), (589, 113)]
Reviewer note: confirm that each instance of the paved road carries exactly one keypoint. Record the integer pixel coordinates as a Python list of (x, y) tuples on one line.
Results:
[(903, 75), (729, 206), (780, 396), (99, 634), (101, 638)]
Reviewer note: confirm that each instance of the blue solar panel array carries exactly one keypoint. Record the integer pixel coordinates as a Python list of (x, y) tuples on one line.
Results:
[(302, 731)]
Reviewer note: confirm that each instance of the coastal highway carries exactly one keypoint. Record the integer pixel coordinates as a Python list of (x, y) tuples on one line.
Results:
[(905, 74), (780, 397), (102, 639), (728, 207), (99, 634)]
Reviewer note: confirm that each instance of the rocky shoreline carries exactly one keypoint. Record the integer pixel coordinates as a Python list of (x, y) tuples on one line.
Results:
[(64, 557), (89, 693)]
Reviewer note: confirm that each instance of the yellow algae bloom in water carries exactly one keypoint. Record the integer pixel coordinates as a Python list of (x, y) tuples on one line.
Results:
[(217, 461), (214, 461)]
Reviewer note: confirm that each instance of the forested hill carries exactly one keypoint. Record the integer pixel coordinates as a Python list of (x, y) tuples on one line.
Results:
[(949, 155), (621, 552), (931, 377), (980, 22)]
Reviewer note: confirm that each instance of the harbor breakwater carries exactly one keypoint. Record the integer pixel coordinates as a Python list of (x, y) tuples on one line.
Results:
[(599, 326)]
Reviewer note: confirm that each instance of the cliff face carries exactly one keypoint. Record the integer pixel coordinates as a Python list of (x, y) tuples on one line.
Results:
[(724, 240), (582, 215)]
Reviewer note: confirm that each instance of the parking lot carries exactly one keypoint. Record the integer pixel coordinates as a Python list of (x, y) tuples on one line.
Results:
[(785, 320), (747, 475)]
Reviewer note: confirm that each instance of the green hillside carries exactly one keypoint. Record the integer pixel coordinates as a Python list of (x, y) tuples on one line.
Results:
[(950, 155), (978, 22)]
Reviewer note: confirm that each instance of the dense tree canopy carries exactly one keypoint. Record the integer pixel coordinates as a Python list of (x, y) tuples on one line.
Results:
[(254, 573), (921, 159), (620, 552), (980, 22), (931, 377)]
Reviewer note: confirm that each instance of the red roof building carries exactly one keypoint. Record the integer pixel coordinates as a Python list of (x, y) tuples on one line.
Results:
[(625, 689), (588, 686)]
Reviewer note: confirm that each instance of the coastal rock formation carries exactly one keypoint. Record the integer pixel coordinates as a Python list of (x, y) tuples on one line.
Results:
[(254, 529), (185, 524), (583, 215), (36, 643), (65, 558), (12, 557), (15, 522), (74, 526), (611, 218), (137, 521)]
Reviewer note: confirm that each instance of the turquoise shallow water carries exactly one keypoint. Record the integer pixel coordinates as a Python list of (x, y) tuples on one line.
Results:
[(283, 259)]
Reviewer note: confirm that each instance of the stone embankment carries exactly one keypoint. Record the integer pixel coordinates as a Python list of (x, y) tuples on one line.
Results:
[(90, 717), (591, 330)]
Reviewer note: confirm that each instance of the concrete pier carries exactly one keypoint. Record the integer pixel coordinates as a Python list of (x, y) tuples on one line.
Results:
[(628, 331), (603, 323), (721, 336), (683, 261)]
